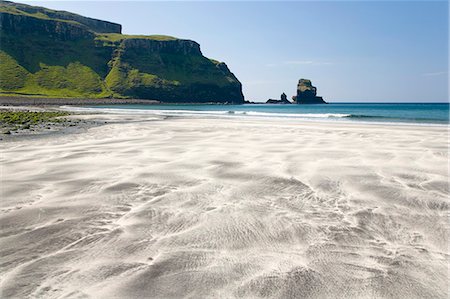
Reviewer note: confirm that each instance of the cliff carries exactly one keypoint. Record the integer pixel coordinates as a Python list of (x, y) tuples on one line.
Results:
[(60, 54), (307, 93), (45, 13)]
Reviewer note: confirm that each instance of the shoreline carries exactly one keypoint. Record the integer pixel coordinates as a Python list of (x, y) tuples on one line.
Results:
[(79, 105), (43, 101), (82, 119), (24, 128), (227, 115)]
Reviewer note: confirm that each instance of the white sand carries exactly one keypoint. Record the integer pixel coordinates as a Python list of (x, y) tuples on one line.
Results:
[(225, 208)]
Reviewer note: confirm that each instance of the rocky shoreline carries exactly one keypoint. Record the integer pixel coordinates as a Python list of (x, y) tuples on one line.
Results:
[(43, 101), (29, 122)]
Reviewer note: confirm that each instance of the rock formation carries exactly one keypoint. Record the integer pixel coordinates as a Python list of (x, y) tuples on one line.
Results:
[(283, 100), (60, 54), (307, 93)]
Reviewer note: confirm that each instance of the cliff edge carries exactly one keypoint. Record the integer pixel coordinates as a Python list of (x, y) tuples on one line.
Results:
[(52, 53)]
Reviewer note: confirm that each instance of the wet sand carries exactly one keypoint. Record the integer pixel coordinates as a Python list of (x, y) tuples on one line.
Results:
[(146, 207)]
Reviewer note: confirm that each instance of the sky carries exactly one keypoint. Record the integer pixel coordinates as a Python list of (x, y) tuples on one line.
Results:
[(366, 51)]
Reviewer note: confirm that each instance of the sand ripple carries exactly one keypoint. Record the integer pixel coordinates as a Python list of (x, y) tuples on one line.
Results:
[(225, 209)]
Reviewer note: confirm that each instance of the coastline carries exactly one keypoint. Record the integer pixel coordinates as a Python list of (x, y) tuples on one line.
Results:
[(46, 101), (41, 121), (80, 119), (326, 118), (146, 205)]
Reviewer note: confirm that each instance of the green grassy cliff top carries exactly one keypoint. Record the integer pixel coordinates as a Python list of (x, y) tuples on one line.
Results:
[(58, 15), (116, 37)]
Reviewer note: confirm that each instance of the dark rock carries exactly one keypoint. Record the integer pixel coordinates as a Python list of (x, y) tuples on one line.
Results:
[(283, 100), (307, 93), (272, 101)]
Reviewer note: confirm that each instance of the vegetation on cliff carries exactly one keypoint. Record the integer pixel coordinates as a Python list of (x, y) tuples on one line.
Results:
[(59, 54)]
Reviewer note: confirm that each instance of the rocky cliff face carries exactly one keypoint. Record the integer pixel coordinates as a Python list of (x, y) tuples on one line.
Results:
[(43, 13), (171, 71), (307, 93), (170, 46), (23, 24), (76, 58)]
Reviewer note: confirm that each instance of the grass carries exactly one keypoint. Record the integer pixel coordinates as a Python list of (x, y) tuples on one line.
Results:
[(16, 11), (15, 120), (214, 61), (50, 14), (183, 68), (29, 117), (12, 75), (30, 50), (117, 37), (75, 77), (122, 79), (74, 80), (39, 14)]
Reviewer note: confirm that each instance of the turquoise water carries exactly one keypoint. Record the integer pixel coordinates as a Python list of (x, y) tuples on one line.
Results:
[(392, 113)]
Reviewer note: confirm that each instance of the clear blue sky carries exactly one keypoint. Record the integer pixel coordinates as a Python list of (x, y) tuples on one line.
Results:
[(352, 51)]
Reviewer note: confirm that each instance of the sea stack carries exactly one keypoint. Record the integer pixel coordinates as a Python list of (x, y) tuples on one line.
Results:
[(283, 100), (307, 93)]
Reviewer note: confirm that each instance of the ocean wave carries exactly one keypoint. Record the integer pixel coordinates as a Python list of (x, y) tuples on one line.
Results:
[(364, 116), (300, 115), (394, 118), (361, 118), (170, 112)]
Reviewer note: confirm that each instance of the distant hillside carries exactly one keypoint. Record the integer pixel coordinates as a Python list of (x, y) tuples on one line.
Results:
[(59, 54), (47, 14)]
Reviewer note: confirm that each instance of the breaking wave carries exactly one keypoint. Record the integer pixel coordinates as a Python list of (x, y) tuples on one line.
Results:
[(171, 112), (252, 113)]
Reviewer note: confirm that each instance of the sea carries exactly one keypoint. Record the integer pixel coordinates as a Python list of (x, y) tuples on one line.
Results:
[(394, 113)]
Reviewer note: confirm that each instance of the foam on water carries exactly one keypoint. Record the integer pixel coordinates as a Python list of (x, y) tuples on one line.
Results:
[(416, 114), (209, 112)]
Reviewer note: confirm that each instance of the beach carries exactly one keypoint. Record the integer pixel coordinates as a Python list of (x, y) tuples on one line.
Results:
[(46, 101), (148, 206)]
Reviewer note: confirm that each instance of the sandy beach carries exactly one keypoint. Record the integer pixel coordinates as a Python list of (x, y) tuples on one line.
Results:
[(154, 207)]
